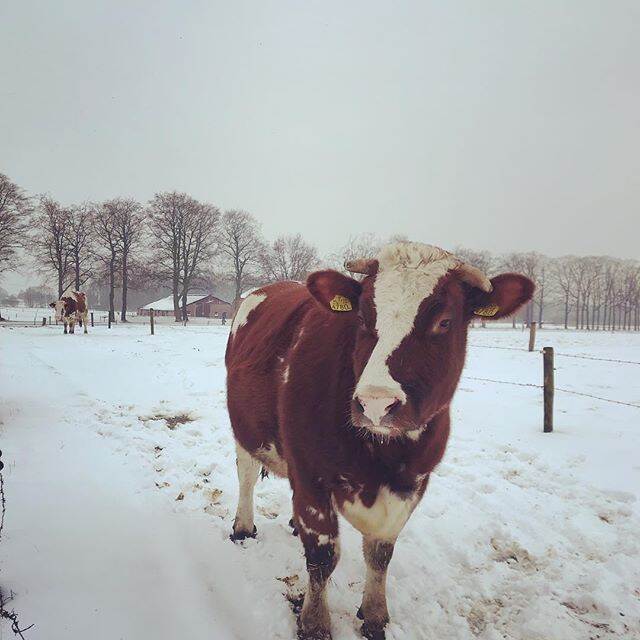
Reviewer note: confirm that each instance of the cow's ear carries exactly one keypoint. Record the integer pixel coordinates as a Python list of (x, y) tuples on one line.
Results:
[(510, 291), (334, 291)]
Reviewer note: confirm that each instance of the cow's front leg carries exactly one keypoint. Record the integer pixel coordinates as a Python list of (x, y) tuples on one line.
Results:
[(317, 524), (64, 322), (84, 323), (374, 612)]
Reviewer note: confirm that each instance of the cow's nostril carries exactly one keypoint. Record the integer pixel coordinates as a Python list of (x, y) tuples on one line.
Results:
[(357, 405), (392, 408)]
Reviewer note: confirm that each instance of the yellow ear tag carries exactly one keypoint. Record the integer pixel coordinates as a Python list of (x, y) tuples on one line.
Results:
[(340, 303), (488, 311)]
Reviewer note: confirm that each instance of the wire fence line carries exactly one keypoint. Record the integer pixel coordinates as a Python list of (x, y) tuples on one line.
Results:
[(539, 386), (570, 355), (563, 355), (516, 384)]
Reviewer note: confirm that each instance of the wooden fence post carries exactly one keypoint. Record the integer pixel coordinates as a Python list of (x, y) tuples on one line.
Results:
[(151, 322), (92, 318), (547, 358), (109, 320), (532, 335), (44, 321)]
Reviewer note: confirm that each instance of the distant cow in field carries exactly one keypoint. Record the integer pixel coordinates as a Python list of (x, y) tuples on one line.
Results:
[(71, 309), (344, 388)]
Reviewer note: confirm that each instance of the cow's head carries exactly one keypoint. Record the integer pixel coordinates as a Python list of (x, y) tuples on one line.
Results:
[(59, 306), (413, 309)]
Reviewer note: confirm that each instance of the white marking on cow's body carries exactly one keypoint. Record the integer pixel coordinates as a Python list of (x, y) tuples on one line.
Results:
[(268, 456), (298, 338), (247, 306), (314, 512), (285, 374), (414, 434), (322, 538), (385, 518)]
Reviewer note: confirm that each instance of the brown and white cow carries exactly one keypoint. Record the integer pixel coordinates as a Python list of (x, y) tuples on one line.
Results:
[(344, 387), (71, 309)]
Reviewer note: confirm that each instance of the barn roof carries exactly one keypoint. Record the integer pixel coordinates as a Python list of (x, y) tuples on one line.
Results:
[(166, 304)]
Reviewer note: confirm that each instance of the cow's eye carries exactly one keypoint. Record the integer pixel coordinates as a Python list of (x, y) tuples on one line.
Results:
[(442, 326)]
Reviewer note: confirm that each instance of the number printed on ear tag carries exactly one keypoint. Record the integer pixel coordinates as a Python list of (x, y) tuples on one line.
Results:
[(340, 303), (488, 311)]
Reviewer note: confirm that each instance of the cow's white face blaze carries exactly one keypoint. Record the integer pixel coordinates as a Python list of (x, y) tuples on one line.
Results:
[(407, 274), (59, 306)]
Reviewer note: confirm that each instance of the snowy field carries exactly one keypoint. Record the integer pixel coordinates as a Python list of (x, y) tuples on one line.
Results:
[(120, 485)]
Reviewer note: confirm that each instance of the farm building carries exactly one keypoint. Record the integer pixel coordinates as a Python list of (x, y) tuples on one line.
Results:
[(198, 306)]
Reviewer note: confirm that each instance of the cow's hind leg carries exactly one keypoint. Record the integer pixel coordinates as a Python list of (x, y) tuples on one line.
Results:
[(84, 322), (248, 470), (377, 555)]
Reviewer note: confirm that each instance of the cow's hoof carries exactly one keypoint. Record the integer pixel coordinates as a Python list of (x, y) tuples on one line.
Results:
[(372, 632), (317, 634), (313, 634), (238, 536), (294, 529)]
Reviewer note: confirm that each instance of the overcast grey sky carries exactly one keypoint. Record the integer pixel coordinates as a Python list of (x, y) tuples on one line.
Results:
[(501, 125)]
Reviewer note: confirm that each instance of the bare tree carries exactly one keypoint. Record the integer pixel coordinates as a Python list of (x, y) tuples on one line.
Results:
[(197, 245), (165, 215), (39, 296), (50, 245), (15, 212), (80, 239), (105, 220), (241, 243), (561, 277), (182, 235), (128, 230), (288, 258)]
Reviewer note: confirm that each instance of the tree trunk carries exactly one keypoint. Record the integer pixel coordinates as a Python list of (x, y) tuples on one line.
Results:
[(566, 310), (176, 302), (125, 286), (60, 289), (185, 317), (77, 268), (112, 287)]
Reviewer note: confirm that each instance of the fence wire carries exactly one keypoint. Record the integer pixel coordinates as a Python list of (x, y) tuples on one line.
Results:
[(562, 355), (539, 386), (570, 355)]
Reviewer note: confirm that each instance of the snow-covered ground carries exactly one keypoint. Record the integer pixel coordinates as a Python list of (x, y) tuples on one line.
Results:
[(118, 516)]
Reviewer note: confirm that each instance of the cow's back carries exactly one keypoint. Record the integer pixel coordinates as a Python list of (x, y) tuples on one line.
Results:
[(265, 325)]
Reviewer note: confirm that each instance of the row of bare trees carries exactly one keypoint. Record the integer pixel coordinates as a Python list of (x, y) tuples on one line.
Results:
[(179, 242), (173, 240), (584, 292)]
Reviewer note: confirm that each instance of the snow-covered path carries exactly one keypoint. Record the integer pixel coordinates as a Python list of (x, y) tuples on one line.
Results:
[(118, 519), (89, 552)]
